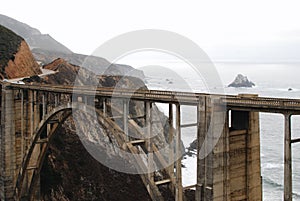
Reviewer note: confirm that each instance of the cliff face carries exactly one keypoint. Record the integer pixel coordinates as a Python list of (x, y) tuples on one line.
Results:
[(23, 63), (67, 73), (98, 65), (16, 59), (69, 171)]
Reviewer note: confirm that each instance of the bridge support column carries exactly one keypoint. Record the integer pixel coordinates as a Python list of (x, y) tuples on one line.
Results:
[(148, 133), (244, 156), (104, 105), (204, 186), (125, 118), (170, 139), (22, 124), (231, 169), (7, 146), (201, 132), (179, 189), (288, 190), (44, 102)]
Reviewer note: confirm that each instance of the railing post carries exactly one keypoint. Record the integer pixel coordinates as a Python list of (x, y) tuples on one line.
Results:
[(287, 159)]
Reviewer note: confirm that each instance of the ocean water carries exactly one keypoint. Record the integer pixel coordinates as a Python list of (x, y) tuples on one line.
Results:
[(272, 80)]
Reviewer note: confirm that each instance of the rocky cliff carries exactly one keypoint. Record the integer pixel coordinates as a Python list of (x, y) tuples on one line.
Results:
[(69, 171), (16, 58), (98, 65)]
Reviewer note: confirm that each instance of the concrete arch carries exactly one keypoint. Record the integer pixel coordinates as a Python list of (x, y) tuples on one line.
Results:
[(64, 111)]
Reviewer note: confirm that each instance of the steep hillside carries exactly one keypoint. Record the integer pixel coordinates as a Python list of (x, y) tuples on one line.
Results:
[(33, 37), (45, 49), (98, 65), (16, 59)]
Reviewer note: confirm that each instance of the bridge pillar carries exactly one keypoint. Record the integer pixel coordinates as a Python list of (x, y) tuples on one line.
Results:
[(170, 138), (288, 190), (7, 146), (148, 133), (179, 189), (201, 131), (125, 118), (104, 105), (244, 156), (231, 171)]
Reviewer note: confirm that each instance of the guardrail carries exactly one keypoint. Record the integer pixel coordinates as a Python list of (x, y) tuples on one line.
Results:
[(245, 101)]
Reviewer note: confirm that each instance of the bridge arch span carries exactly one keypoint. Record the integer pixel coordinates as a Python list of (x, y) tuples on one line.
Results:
[(55, 118)]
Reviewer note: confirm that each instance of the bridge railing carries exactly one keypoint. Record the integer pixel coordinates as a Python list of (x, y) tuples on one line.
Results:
[(167, 96)]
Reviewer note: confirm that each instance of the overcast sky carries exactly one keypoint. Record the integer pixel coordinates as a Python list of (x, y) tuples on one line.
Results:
[(251, 29)]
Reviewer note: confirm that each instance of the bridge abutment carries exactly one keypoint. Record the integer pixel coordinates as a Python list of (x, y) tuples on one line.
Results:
[(8, 165)]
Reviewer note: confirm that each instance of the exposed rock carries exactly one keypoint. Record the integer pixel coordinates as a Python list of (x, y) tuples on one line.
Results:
[(98, 65), (69, 171), (241, 81), (16, 58), (67, 74), (34, 78)]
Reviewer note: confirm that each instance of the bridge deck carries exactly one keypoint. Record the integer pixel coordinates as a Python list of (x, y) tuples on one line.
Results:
[(262, 104)]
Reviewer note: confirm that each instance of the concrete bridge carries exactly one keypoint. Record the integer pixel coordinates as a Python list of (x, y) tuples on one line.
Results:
[(228, 156)]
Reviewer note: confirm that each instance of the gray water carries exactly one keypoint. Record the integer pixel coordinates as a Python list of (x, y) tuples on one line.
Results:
[(272, 80)]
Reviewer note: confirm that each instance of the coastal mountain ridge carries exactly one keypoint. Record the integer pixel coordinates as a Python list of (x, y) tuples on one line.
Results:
[(46, 49), (33, 36)]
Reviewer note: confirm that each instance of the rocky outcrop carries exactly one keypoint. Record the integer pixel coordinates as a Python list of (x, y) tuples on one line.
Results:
[(69, 171), (67, 73), (97, 65), (241, 81), (16, 58)]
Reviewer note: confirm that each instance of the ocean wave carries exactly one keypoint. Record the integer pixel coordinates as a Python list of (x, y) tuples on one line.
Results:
[(273, 183), (272, 166)]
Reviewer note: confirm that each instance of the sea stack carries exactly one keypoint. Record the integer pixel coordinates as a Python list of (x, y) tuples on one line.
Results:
[(241, 81)]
